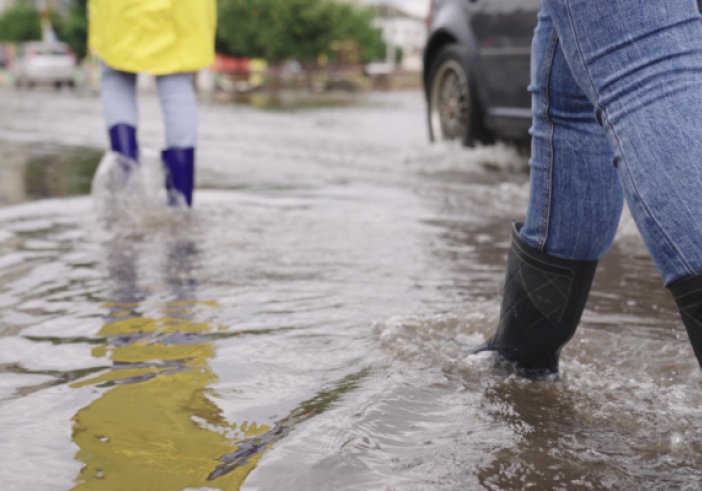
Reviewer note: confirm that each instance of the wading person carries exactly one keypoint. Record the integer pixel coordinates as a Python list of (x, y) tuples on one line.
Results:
[(617, 114), (170, 40)]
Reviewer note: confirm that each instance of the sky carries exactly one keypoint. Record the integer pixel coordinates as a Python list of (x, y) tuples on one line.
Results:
[(416, 7)]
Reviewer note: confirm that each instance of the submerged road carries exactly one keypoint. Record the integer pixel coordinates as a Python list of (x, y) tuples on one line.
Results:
[(301, 328)]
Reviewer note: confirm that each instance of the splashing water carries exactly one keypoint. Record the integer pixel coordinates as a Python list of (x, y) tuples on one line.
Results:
[(132, 194)]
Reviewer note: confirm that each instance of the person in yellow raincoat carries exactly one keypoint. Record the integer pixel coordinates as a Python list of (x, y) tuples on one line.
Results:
[(170, 39)]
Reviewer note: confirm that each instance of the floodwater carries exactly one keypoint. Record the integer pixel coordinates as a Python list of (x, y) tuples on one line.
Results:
[(301, 329)]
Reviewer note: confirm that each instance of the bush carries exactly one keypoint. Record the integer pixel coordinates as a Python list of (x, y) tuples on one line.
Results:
[(73, 28), (20, 23), (303, 30)]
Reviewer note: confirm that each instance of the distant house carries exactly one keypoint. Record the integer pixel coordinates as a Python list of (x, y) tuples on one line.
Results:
[(404, 36)]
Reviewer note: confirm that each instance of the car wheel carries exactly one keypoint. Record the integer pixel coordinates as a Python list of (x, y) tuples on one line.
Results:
[(452, 110)]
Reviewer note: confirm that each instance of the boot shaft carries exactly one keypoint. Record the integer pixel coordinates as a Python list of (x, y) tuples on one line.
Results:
[(179, 166), (123, 140), (687, 293), (543, 301)]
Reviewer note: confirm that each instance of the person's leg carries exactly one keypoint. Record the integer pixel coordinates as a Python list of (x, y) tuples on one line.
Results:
[(574, 209), (118, 94), (575, 198), (179, 103), (640, 62)]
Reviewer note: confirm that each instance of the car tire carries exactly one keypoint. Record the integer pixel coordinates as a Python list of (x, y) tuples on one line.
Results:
[(453, 111)]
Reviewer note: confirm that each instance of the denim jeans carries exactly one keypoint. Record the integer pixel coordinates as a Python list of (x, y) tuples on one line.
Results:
[(178, 101), (617, 102)]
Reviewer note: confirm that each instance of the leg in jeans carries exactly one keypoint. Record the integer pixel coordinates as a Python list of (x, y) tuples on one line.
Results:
[(118, 94), (179, 104), (640, 62), (576, 199), (574, 210)]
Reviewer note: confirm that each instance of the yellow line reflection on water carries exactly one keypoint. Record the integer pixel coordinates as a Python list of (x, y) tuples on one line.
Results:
[(154, 427)]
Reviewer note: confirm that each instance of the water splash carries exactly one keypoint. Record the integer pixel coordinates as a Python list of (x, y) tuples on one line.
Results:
[(130, 196)]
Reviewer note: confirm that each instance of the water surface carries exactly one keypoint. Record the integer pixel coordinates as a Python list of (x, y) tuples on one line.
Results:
[(302, 327)]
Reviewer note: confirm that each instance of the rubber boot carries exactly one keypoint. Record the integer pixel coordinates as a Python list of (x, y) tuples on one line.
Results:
[(179, 164), (116, 175), (688, 295), (543, 300), (123, 141)]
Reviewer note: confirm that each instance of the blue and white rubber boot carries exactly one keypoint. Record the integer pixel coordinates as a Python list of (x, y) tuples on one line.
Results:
[(179, 166), (123, 141)]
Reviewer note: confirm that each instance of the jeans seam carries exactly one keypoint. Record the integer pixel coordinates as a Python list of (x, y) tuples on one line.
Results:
[(619, 145), (548, 191)]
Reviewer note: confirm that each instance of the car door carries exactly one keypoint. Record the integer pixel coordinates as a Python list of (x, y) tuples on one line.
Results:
[(503, 31)]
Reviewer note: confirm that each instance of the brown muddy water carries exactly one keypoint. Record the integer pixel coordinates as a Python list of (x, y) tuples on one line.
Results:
[(301, 329)]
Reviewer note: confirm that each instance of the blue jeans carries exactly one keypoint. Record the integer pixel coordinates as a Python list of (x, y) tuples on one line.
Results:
[(617, 102), (177, 94)]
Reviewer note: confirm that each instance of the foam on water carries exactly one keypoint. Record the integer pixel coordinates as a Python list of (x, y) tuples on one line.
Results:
[(129, 197), (622, 418)]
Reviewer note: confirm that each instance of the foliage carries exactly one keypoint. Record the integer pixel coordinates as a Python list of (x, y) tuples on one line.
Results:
[(73, 28), (355, 28), (20, 23), (304, 30)]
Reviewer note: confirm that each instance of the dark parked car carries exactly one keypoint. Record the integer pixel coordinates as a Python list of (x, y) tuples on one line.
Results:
[(476, 69)]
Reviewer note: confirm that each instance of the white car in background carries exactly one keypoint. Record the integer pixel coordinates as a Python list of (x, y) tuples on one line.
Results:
[(44, 63)]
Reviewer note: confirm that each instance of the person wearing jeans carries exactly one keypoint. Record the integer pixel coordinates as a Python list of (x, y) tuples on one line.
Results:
[(617, 114), (170, 40)]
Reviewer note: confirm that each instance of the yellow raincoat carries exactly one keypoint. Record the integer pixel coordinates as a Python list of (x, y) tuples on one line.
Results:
[(155, 36)]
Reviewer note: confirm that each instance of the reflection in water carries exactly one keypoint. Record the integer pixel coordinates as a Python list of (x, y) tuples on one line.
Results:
[(154, 426), (545, 423), (251, 448), (31, 171)]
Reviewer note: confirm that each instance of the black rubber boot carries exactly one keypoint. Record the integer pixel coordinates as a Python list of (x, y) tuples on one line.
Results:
[(543, 300), (688, 295)]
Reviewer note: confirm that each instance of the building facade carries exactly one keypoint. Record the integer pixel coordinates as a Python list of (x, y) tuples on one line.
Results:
[(404, 36)]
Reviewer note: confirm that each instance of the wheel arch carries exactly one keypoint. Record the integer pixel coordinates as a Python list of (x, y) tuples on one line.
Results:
[(437, 41), (459, 33), (480, 130)]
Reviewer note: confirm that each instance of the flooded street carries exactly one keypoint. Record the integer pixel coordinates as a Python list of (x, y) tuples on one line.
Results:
[(304, 327)]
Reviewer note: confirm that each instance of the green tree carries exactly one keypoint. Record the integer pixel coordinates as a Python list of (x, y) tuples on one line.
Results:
[(20, 23), (355, 28), (279, 30), (73, 28)]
